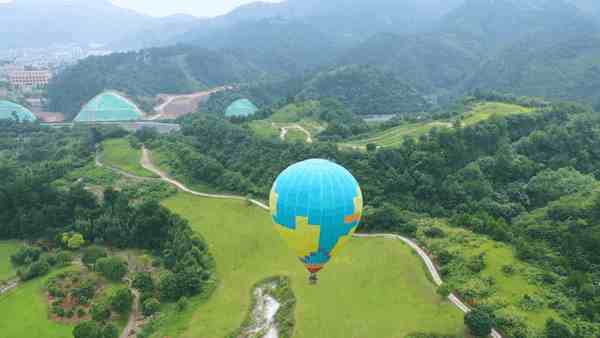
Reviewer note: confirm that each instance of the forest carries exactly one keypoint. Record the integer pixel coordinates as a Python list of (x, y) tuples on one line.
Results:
[(527, 180)]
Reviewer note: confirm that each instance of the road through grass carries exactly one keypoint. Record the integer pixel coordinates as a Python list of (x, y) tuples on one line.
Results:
[(119, 153), (375, 288)]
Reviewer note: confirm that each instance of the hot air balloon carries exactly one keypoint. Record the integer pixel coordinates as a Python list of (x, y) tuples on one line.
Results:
[(316, 207)]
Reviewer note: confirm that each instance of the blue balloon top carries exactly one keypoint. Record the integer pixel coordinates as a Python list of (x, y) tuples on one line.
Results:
[(316, 198)]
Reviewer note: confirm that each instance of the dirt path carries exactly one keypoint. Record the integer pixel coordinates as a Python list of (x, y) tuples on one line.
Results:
[(284, 131), (130, 328), (121, 172), (147, 163), (193, 99), (9, 286)]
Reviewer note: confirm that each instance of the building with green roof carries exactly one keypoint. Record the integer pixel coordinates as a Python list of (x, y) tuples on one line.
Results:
[(109, 106), (8, 109), (241, 108)]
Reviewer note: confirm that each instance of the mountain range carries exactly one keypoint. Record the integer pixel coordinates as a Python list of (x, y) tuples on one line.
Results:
[(441, 49)]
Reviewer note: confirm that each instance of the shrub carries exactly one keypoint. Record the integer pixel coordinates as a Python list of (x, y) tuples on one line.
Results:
[(121, 300), (25, 255), (150, 306), (479, 322), (63, 258), (81, 313), (87, 329), (92, 254), (143, 281), (182, 304), (508, 269), (434, 232), (100, 312), (113, 268)]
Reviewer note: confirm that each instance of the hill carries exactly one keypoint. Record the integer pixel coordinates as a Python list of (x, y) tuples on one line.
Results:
[(144, 74)]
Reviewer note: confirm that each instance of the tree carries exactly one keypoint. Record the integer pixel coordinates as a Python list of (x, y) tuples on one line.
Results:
[(150, 306), (168, 287), (88, 329), (92, 254), (143, 281), (100, 312), (114, 268), (121, 300), (76, 241), (556, 329), (109, 331), (479, 322)]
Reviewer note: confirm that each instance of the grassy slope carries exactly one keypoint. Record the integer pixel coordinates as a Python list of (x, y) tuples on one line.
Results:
[(119, 153), (510, 289), (7, 248), (25, 312), (376, 288), (478, 113)]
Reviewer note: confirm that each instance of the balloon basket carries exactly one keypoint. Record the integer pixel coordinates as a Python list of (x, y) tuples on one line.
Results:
[(313, 279)]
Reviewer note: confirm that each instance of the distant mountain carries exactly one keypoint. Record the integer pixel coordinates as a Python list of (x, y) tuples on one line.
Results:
[(487, 44), (41, 23), (348, 21), (35, 23)]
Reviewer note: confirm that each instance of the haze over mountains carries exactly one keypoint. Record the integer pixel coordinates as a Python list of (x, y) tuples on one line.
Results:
[(440, 49)]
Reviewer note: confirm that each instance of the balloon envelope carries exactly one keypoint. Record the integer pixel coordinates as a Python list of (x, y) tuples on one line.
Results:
[(316, 206)]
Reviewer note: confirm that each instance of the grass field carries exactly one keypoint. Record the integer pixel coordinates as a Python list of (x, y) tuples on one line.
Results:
[(119, 153), (25, 312), (7, 248), (376, 288), (477, 113)]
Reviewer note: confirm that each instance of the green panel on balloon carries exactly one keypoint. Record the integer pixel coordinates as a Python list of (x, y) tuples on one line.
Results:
[(241, 108), (8, 110)]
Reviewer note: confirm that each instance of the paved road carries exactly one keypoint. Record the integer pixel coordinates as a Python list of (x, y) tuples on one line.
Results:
[(147, 163)]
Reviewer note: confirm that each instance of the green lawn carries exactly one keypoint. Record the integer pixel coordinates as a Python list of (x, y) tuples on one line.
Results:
[(7, 248), (484, 110), (395, 136), (376, 288), (25, 312), (119, 153)]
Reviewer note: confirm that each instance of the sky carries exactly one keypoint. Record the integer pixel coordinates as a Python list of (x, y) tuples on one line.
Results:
[(199, 8)]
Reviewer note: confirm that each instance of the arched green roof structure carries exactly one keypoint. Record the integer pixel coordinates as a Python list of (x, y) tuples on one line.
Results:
[(109, 106), (7, 109), (241, 108)]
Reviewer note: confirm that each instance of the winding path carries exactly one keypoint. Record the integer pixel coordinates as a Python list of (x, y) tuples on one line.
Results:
[(146, 162), (284, 131)]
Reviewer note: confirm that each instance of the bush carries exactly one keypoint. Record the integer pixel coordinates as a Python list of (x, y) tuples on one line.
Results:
[(508, 269), (58, 310), (434, 232), (476, 264), (109, 331), (182, 304), (143, 281), (70, 313), (81, 313), (25, 255), (87, 329), (113, 268), (100, 312), (92, 254), (63, 258), (479, 322), (121, 300), (150, 306), (37, 269)]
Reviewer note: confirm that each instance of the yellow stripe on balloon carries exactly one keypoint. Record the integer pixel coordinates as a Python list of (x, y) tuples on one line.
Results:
[(342, 242), (304, 240)]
